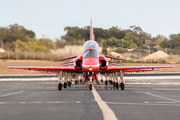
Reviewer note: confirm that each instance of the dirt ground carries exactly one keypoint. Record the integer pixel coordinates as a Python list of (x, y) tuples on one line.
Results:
[(5, 70), (4, 64)]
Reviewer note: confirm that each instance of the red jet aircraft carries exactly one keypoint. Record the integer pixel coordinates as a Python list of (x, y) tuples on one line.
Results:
[(90, 63)]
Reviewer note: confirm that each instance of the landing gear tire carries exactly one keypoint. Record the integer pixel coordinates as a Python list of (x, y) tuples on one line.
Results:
[(90, 87), (101, 80), (60, 86), (106, 82), (75, 82), (114, 85), (65, 85), (117, 86), (122, 86), (69, 84), (80, 80), (111, 82)]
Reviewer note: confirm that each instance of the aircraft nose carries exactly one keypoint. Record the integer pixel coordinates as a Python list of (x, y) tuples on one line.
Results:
[(90, 68), (90, 65)]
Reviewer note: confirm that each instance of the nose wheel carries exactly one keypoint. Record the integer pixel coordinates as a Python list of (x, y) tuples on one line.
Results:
[(90, 86)]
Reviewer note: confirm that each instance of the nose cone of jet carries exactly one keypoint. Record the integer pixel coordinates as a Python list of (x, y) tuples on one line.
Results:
[(90, 65)]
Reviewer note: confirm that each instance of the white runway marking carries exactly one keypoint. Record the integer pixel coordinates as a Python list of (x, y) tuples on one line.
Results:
[(162, 97), (165, 102), (146, 102), (38, 102), (155, 83), (149, 104), (29, 79), (151, 77), (78, 101), (11, 94), (108, 114), (23, 102)]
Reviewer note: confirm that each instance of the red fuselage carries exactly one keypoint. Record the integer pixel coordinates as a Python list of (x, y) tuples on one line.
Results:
[(90, 64)]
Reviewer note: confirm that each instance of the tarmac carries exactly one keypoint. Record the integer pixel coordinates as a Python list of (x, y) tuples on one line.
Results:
[(144, 98)]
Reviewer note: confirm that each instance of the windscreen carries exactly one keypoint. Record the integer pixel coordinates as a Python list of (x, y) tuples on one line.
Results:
[(91, 53)]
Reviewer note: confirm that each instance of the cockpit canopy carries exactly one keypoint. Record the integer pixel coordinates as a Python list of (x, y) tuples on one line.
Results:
[(90, 53), (91, 44)]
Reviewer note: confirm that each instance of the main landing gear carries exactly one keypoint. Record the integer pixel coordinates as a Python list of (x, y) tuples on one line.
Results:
[(69, 84), (115, 82), (60, 86), (60, 80), (117, 86), (106, 81), (76, 82), (65, 85), (121, 80), (122, 86)]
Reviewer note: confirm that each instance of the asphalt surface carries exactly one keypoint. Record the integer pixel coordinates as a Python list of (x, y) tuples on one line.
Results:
[(142, 99), (55, 75)]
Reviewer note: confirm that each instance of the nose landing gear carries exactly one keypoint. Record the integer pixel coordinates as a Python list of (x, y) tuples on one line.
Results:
[(90, 83), (90, 87)]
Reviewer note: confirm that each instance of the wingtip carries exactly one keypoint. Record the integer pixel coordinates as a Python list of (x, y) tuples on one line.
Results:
[(9, 67)]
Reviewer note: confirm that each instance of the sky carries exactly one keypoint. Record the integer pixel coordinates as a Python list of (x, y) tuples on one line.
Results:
[(50, 17)]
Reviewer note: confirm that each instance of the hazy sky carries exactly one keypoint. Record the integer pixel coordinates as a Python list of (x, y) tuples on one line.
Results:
[(49, 17)]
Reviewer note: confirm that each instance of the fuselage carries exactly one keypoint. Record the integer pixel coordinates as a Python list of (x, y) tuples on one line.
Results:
[(90, 62)]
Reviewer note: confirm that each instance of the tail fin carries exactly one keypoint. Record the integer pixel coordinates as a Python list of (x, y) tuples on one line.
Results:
[(84, 41), (91, 31)]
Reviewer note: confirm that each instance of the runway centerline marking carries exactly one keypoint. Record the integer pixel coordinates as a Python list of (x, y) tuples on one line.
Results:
[(146, 102), (162, 97), (108, 114), (11, 94), (78, 101)]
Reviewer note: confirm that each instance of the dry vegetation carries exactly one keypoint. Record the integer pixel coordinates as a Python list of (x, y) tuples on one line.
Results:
[(4, 64)]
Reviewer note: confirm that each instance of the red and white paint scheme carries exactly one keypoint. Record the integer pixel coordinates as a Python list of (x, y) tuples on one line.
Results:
[(90, 63)]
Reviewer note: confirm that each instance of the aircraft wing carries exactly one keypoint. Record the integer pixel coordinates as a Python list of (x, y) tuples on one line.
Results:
[(45, 69), (141, 70), (135, 68), (65, 58)]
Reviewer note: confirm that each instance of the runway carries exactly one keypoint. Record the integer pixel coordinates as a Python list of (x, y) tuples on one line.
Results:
[(142, 99)]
